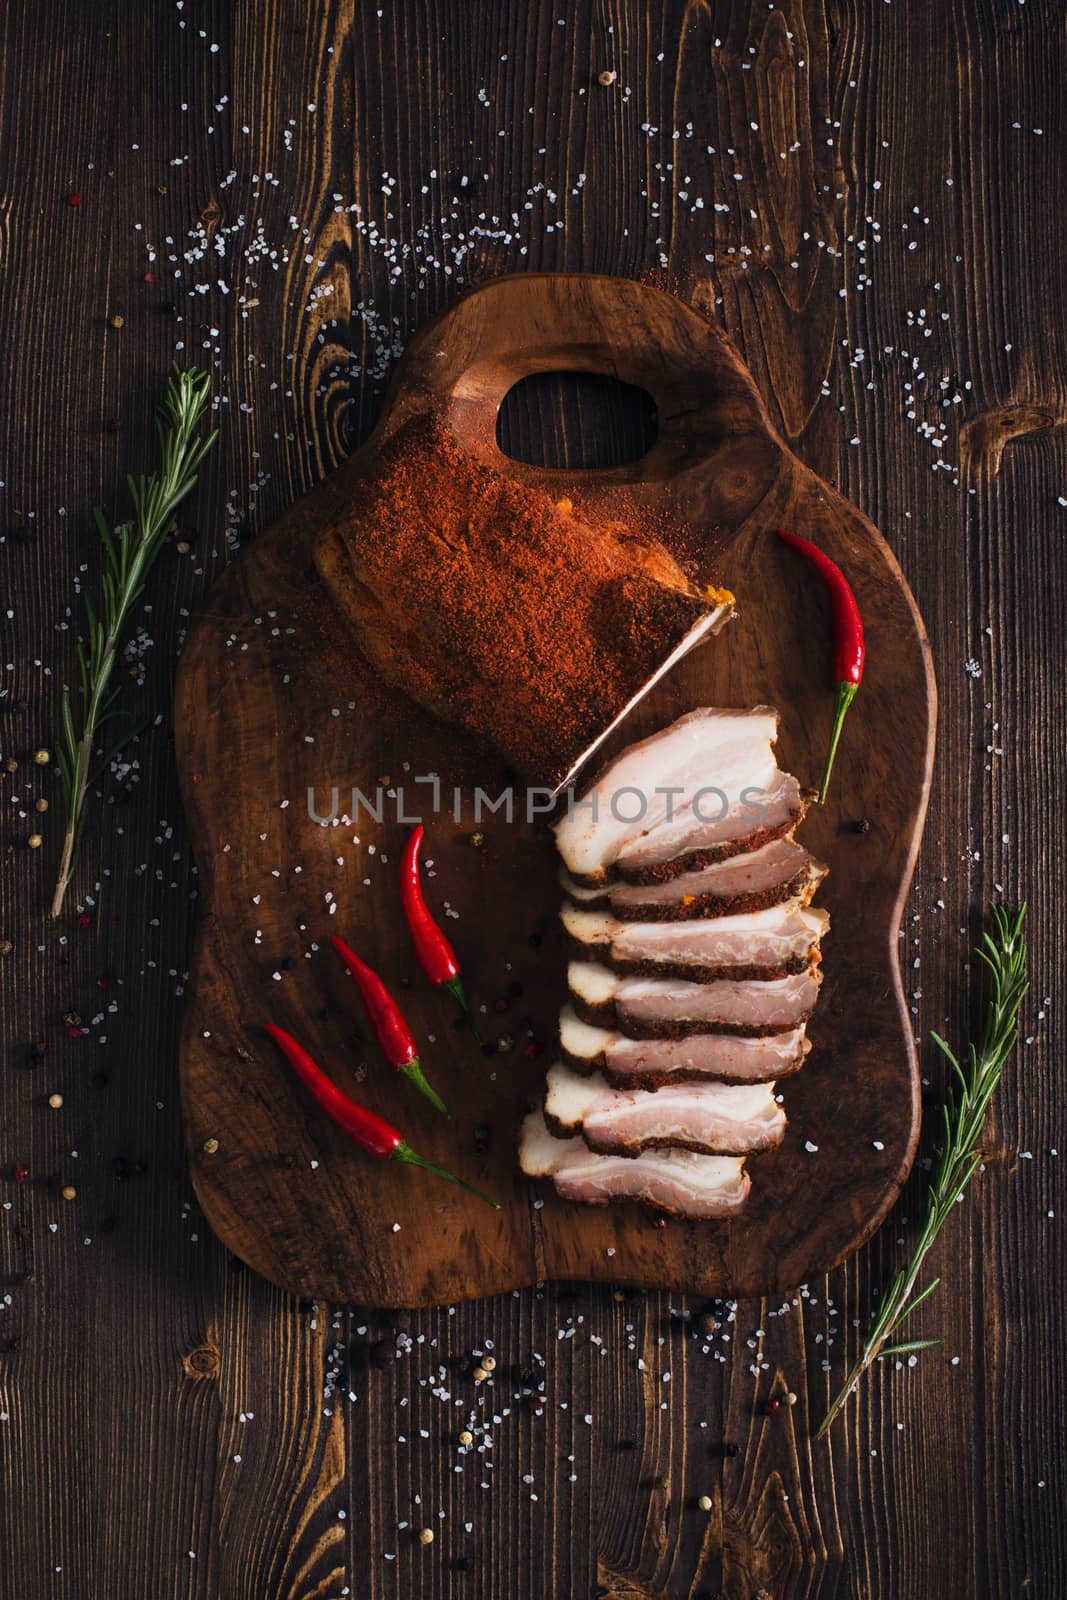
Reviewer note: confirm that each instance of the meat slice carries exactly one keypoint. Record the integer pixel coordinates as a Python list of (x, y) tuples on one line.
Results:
[(706, 788), (671, 1008), (725, 1119), (679, 1182), (649, 1063), (781, 870), (757, 944)]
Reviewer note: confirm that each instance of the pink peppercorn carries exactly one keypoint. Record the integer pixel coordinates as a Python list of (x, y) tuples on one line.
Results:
[(74, 199)]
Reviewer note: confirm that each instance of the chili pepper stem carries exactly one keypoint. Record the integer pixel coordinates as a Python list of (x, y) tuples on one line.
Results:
[(846, 693), (414, 1074), (404, 1152), (454, 987)]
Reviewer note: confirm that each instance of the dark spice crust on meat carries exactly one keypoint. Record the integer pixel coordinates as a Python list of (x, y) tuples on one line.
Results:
[(603, 1014), (587, 1065), (801, 886), (495, 607), (768, 1140), (690, 971)]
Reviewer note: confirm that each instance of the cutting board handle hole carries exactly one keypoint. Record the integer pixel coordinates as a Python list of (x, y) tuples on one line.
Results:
[(576, 421)]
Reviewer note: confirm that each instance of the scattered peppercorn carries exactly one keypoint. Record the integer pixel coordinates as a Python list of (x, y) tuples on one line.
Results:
[(704, 1502), (860, 826), (662, 1484), (479, 1374), (6, 947), (183, 547), (504, 1043), (489, 1363), (659, 1222), (84, 919), (74, 199), (40, 805), (42, 757), (477, 840), (68, 1191), (466, 1437), (72, 1019), (21, 1171), (773, 1404), (35, 841), (426, 1536), (606, 78), (11, 765), (790, 1399), (55, 1101), (210, 1146), (117, 321)]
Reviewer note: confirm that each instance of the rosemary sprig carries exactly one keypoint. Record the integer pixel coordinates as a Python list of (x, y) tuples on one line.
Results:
[(129, 553), (971, 1085)]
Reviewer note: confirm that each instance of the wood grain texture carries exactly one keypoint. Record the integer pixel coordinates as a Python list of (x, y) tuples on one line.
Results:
[(122, 1460), (278, 723)]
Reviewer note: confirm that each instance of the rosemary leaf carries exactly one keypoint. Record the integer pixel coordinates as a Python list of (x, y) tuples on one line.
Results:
[(129, 552), (972, 1082)]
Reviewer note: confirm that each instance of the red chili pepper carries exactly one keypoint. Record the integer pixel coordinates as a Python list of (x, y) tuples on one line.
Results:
[(436, 956), (848, 639), (365, 1127), (390, 1029)]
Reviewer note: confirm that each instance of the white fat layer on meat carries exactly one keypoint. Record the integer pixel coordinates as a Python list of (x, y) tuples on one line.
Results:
[(773, 1002), (714, 761), (768, 938), (720, 1118), (754, 872), (681, 1180), (729, 1055)]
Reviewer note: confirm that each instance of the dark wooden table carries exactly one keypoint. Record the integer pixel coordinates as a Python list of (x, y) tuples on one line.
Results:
[(867, 196)]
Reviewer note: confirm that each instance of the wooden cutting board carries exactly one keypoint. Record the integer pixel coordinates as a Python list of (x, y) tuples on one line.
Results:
[(273, 701)]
